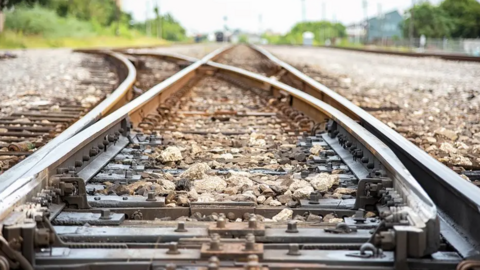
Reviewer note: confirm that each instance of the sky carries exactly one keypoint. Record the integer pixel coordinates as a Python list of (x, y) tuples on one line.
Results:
[(259, 15)]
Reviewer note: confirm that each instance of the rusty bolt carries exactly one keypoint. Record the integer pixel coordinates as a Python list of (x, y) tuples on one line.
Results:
[(151, 197), (78, 163), (85, 158), (93, 152), (105, 144), (292, 227), (105, 214), (215, 242), (111, 138), (137, 215), (293, 250), (173, 249), (100, 146), (250, 242), (252, 223), (62, 170), (213, 263), (212, 266), (221, 223), (181, 227), (252, 258), (252, 263), (231, 216)]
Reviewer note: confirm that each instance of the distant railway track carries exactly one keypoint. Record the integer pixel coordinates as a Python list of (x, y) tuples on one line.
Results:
[(219, 167), (444, 56)]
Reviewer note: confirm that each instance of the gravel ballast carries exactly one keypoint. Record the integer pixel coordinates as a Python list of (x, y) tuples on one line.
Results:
[(49, 76), (432, 102)]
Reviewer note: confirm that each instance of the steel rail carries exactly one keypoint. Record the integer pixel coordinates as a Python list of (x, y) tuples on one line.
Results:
[(31, 181), (443, 56), (163, 56), (458, 201), (423, 208), (376, 146), (115, 100)]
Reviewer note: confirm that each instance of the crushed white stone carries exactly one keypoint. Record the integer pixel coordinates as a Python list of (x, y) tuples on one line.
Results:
[(285, 214), (196, 171), (210, 184), (171, 153)]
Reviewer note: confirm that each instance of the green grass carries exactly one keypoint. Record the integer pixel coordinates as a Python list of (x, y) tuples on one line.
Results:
[(37, 27), (40, 21), (12, 40)]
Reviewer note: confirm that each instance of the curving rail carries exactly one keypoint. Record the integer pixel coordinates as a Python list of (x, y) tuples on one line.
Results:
[(16, 186), (458, 200), (116, 99), (407, 228)]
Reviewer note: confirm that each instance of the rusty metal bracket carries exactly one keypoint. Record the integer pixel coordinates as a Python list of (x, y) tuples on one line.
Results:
[(71, 190)]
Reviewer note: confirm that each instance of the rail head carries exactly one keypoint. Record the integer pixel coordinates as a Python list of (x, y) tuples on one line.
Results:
[(19, 171)]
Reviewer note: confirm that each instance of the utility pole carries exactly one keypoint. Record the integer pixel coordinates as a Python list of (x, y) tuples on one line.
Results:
[(159, 19), (225, 20), (117, 18), (304, 14), (365, 15), (147, 24), (380, 22), (410, 30), (334, 30), (260, 30), (324, 9)]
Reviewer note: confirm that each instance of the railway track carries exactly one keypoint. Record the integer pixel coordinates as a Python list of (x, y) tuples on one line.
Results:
[(25, 129), (219, 167), (444, 56)]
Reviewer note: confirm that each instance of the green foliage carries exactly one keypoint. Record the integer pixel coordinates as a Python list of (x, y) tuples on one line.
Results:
[(322, 31), (170, 28), (466, 16), (243, 39), (429, 20), (41, 21), (76, 18), (11, 3), (452, 18), (101, 11)]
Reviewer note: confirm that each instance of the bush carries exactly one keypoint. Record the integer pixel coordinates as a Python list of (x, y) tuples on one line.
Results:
[(40, 21)]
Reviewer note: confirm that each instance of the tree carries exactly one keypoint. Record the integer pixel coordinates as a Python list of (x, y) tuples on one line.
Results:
[(103, 12), (465, 15), (171, 28), (4, 4), (156, 10), (431, 21), (321, 29)]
